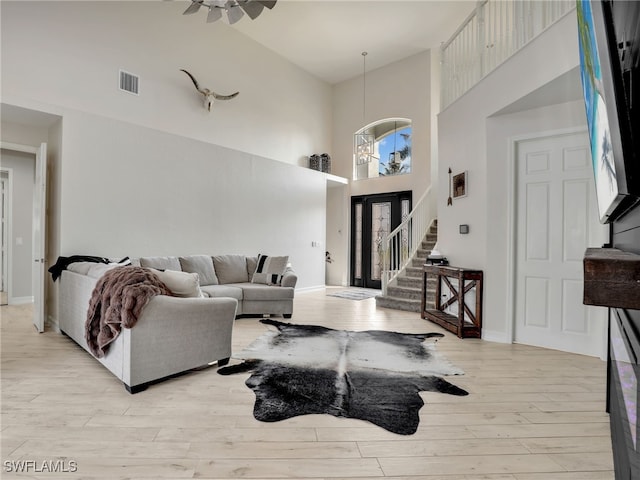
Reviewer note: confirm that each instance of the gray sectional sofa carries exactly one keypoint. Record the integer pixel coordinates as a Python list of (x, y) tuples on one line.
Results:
[(175, 334), (231, 276)]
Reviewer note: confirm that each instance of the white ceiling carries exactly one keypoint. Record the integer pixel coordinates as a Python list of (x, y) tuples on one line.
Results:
[(327, 37)]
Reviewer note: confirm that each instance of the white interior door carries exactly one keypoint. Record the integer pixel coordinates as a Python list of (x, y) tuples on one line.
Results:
[(557, 219), (39, 217), (4, 238)]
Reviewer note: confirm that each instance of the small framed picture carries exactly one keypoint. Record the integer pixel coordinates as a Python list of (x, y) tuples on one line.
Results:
[(460, 185)]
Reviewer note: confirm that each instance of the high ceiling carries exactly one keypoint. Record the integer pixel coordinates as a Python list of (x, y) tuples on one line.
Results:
[(327, 37)]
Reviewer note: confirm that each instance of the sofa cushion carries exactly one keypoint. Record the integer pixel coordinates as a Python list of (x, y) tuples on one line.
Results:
[(257, 291), (181, 284), (289, 279), (231, 268), (80, 267), (161, 263), (202, 265), (270, 269), (96, 269), (223, 291)]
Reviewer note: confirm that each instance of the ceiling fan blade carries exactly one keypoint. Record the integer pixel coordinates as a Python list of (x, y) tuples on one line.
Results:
[(214, 14), (267, 3), (234, 12), (193, 8), (253, 9)]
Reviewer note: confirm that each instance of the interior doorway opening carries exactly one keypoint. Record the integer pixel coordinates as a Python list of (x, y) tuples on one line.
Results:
[(25, 277)]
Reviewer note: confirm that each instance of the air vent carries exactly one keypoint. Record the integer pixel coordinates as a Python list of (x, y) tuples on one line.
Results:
[(129, 82)]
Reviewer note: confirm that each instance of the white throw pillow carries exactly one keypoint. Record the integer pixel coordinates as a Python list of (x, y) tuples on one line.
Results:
[(270, 270), (181, 284)]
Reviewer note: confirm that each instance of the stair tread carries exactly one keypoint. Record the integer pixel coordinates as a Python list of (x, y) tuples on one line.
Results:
[(405, 287), (397, 303), (398, 299)]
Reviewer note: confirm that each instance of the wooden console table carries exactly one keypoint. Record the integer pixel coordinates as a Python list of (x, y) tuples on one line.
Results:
[(459, 282)]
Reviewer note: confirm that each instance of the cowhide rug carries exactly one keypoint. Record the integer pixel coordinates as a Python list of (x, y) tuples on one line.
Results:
[(373, 375)]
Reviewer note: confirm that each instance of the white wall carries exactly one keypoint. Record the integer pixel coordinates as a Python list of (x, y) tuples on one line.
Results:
[(22, 167), (21, 134), (470, 140), (157, 173), (398, 90), (128, 190), (54, 180), (338, 206), (67, 54)]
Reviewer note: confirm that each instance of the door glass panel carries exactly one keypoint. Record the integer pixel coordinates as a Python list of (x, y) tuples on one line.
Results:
[(405, 209), (380, 227), (358, 242)]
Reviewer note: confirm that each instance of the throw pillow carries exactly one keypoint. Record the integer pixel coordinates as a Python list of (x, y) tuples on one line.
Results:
[(270, 270), (181, 284), (231, 268), (202, 265)]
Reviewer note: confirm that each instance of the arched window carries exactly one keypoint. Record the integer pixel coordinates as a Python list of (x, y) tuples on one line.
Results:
[(391, 152)]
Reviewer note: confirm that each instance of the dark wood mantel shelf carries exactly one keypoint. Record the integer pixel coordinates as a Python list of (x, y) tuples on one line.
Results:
[(611, 278)]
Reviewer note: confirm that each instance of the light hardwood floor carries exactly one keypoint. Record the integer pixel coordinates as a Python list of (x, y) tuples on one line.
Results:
[(532, 414)]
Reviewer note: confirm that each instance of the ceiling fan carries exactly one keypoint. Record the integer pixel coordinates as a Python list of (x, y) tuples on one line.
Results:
[(235, 9)]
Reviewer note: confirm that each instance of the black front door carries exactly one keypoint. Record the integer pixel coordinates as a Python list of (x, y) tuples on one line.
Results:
[(373, 217)]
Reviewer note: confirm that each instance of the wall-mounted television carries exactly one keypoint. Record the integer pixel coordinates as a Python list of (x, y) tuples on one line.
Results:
[(609, 56)]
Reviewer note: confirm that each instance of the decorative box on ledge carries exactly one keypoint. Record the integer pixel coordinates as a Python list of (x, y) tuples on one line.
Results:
[(611, 278), (458, 299)]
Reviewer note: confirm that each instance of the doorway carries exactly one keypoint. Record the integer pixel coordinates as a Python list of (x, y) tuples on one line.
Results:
[(26, 272), (372, 218), (556, 220)]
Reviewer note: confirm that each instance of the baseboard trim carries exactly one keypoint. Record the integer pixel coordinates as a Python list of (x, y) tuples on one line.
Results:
[(20, 300), (310, 289), (495, 336)]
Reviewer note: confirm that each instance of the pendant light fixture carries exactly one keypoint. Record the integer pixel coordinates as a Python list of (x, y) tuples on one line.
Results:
[(363, 142)]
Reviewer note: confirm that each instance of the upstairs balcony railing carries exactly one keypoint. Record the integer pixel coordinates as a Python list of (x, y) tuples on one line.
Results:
[(494, 31)]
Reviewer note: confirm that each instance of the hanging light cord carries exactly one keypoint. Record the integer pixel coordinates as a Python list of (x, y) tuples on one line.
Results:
[(364, 85)]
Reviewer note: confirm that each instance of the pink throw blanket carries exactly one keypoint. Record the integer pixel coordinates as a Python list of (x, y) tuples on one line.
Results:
[(117, 301)]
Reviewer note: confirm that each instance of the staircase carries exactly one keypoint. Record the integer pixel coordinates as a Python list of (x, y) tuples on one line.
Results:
[(405, 291)]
